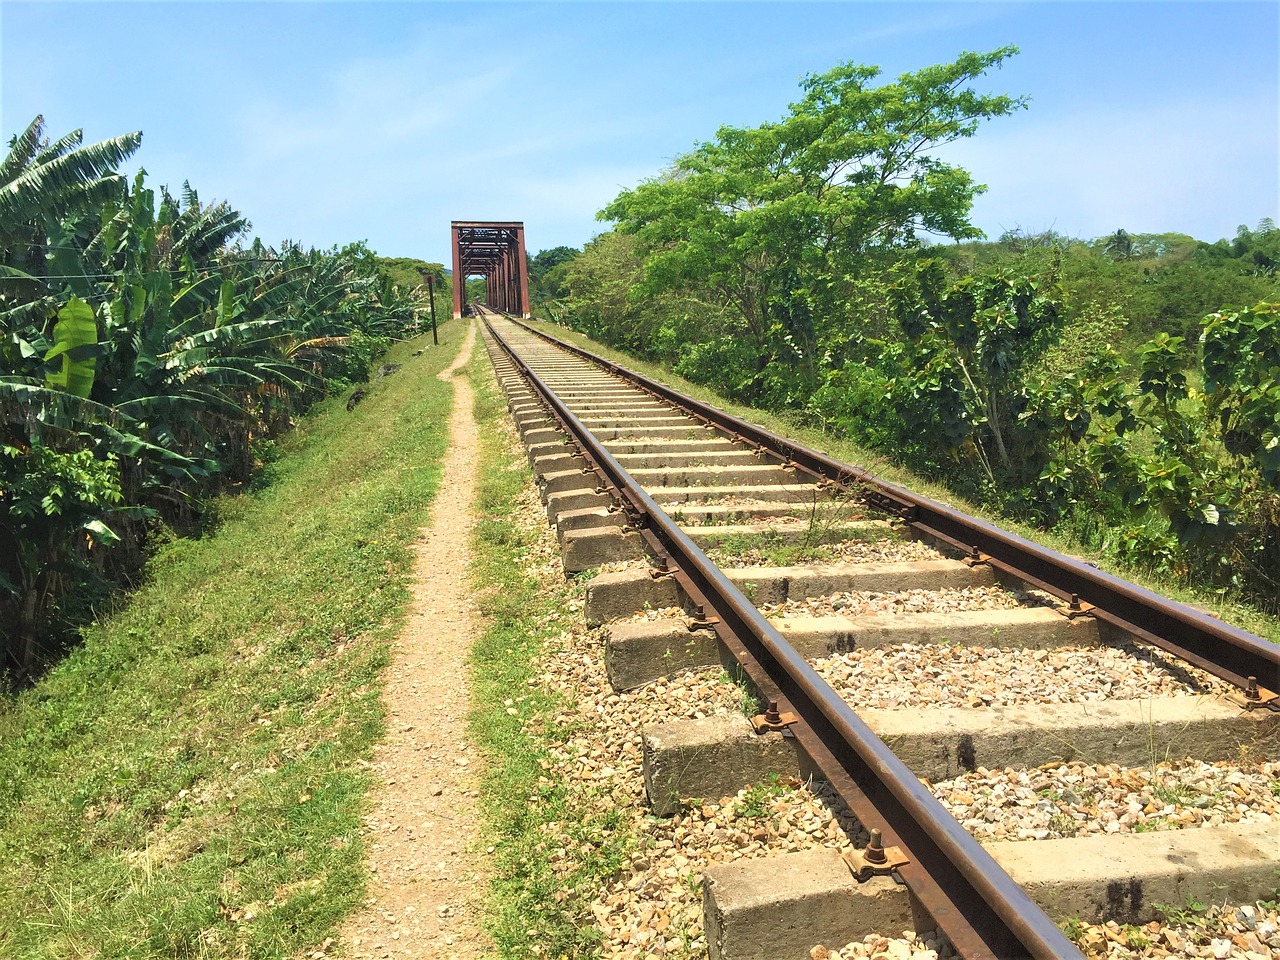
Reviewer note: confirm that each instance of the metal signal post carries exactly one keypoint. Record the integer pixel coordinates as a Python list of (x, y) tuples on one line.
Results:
[(431, 293)]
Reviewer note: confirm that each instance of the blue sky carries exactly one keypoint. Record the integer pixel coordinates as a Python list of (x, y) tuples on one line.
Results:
[(331, 122)]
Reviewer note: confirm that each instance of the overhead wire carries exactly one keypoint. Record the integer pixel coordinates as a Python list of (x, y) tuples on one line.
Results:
[(104, 276)]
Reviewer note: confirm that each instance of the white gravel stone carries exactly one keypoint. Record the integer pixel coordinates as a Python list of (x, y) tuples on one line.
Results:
[(855, 603), (1078, 798), (950, 675), (910, 946)]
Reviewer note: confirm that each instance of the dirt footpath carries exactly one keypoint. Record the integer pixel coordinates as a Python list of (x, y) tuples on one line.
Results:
[(424, 827)]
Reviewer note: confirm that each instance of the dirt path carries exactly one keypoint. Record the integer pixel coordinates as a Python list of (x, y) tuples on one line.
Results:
[(422, 830)]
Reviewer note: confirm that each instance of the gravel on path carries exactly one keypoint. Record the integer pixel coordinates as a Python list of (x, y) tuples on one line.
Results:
[(424, 823)]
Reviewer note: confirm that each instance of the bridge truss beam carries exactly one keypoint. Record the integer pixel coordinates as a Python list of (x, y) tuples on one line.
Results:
[(496, 252)]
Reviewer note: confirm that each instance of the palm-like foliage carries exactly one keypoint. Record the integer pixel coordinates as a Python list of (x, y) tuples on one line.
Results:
[(42, 179), (201, 346), (1119, 246)]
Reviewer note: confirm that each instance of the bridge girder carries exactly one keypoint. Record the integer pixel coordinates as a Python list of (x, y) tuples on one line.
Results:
[(495, 251)]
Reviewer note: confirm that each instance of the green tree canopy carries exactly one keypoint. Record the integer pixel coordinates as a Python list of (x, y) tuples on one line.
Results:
[(407, 272), (777, 220), (546, 260)]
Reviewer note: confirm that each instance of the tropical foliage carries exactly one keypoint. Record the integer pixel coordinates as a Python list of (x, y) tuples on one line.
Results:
[(778, 223), (546, 271), (1097, 386), (147, 357)]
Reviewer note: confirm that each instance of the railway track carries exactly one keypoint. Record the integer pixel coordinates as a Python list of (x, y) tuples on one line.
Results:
[(728, 544)]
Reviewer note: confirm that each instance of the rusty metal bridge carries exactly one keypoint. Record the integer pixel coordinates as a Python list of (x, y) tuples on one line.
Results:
[(495, 251)]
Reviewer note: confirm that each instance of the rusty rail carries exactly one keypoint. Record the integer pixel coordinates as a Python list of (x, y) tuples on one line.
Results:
[(1234, 655), (975, 903)]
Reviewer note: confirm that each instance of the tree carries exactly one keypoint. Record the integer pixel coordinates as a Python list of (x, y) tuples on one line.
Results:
[(778, 220), (42, 186), (42, 181), (597, 289), (967, 350), (546, 273), (1119, 246), (546, 260)]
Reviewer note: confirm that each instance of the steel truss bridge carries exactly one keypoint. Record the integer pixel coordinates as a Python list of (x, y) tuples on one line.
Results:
[(496, 252)]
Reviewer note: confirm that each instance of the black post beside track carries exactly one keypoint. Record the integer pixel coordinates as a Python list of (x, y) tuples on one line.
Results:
[(975, 903), (1227, 652)]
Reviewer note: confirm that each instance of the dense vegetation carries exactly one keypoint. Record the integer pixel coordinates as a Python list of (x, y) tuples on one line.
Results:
[(188, 780), (1125, 389), (408, 273), (148, 360)]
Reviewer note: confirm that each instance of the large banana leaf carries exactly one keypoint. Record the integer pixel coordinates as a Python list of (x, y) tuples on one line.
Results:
[(22, 149), (16, 274), (75, 338), (64, 173), (111, 427), (228, 307), (64, 258), (209, 343), (186, 405), (55, 407)]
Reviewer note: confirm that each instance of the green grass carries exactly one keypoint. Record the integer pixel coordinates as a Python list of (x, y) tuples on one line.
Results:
[(814, 546), (555, 844), (770, 548), (189, 781), (792, 425), (757, 802)]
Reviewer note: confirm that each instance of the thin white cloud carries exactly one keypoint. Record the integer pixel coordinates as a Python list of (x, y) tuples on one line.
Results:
[(368, 113), (938, 19)]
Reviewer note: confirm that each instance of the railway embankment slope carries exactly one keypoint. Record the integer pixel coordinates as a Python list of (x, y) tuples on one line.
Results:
[(189, 781)]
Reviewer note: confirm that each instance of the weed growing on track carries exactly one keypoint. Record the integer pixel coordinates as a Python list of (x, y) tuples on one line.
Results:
[(775, 550), (756, 801), (189, 782), (552, 851)]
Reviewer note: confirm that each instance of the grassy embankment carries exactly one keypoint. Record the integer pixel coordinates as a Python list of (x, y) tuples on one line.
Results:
[(1238, 614), (189, 781), (538, 903)]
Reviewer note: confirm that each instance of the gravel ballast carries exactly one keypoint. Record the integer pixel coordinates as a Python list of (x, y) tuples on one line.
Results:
[(918, 675), (857, 603), (1077, 798), (845, 551)]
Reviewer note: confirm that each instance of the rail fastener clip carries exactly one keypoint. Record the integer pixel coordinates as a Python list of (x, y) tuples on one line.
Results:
[(772, 719), (1076, 608), (700, 620), (1253, 696), (874, 860)]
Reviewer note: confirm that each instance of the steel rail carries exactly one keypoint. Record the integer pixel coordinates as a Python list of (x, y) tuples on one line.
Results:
[(975, 903), (1234, 655)]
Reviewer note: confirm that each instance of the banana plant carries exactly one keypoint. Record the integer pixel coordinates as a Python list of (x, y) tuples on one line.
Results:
[(141, 351), (75, 344)]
